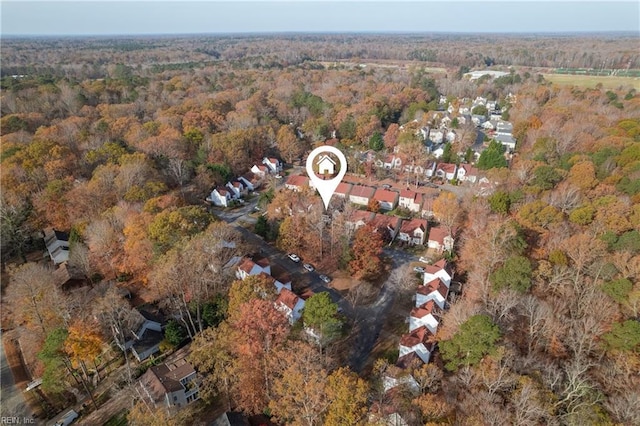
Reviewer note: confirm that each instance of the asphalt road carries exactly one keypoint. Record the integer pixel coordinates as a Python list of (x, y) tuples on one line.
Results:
[(12, 403)]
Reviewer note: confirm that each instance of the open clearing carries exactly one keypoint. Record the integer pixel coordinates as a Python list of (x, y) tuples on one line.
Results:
[(608, 82)]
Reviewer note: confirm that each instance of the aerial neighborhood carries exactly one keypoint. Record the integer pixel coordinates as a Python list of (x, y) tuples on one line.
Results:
[(320, 229)]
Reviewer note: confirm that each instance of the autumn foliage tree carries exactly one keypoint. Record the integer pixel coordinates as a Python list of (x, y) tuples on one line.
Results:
[(366, 263)]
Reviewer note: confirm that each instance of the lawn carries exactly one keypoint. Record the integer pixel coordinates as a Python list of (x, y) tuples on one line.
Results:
[(608, 82)]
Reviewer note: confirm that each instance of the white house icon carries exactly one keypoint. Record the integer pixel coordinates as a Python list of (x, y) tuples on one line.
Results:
[(326, 165)]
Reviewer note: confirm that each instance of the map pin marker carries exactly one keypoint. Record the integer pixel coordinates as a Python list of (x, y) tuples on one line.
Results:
[(326, 166)]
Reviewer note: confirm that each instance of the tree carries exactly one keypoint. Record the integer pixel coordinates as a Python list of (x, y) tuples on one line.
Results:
[(546, 177), (34, 289), (446, 208), (475, 339), (170, 226), (84, 344), (623, 336), (500, 202), (299, 387), (447, 153), (347, 394), (211, 355), (479, 110), (288, 144), (321, 314), (261, 330), (376, 141), (174, 333), (492, 157), (618, 289), (514, 274), (366, 263)]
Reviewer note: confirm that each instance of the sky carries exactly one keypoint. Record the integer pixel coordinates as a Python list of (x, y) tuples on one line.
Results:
[(26, 17)]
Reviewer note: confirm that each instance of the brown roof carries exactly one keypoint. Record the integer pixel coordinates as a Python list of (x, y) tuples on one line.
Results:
[(407, 193), (469, 169), (409, 360), (408, 226), (260, 260), (249, 262), (417, 336), (384, 195), (343, 188), (287, 298), (164, 378), (434, 285), (222, 191), (442, 264), (362, 191), (446, 167), (263, 168), (246, 265), (385, 221), (438, 233), (251, 177), (280, 274), (423, 310), (298, 180), (360, 215)]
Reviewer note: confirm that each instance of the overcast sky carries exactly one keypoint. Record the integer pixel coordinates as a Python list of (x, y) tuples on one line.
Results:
[(169, 17)]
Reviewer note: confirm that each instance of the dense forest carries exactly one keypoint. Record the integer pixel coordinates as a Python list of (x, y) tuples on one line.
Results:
[(119, 141)]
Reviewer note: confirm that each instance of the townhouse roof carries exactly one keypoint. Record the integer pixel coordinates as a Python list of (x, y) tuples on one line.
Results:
[(407, 193), (434, 285), (469, 169), (221, 190), (409, 360), (423, 310), (360, 215), (385, 221), (384, 195), (287, 298), (409, 226), (438, 234), (362, 191), (297, 180), (343, 188), (417, 336), (447, 167)]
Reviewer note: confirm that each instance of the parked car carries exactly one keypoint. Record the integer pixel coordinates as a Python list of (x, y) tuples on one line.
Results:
[(423, 259), (294, 257), (309, 267), (386, 186), (67, 419), (418, 269), (325, 278)]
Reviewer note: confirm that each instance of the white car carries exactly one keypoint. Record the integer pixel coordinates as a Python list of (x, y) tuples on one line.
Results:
[(294, 257), (309, 267), (325, 278), (423, 259), (67, 419)]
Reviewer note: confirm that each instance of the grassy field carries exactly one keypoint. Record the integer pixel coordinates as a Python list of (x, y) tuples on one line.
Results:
[(591, 81)]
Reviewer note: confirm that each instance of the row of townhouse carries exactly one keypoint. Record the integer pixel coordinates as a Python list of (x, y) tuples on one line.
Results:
[(418, 344), (411, 231), (389, 199), (222, 195), (287, 302)]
